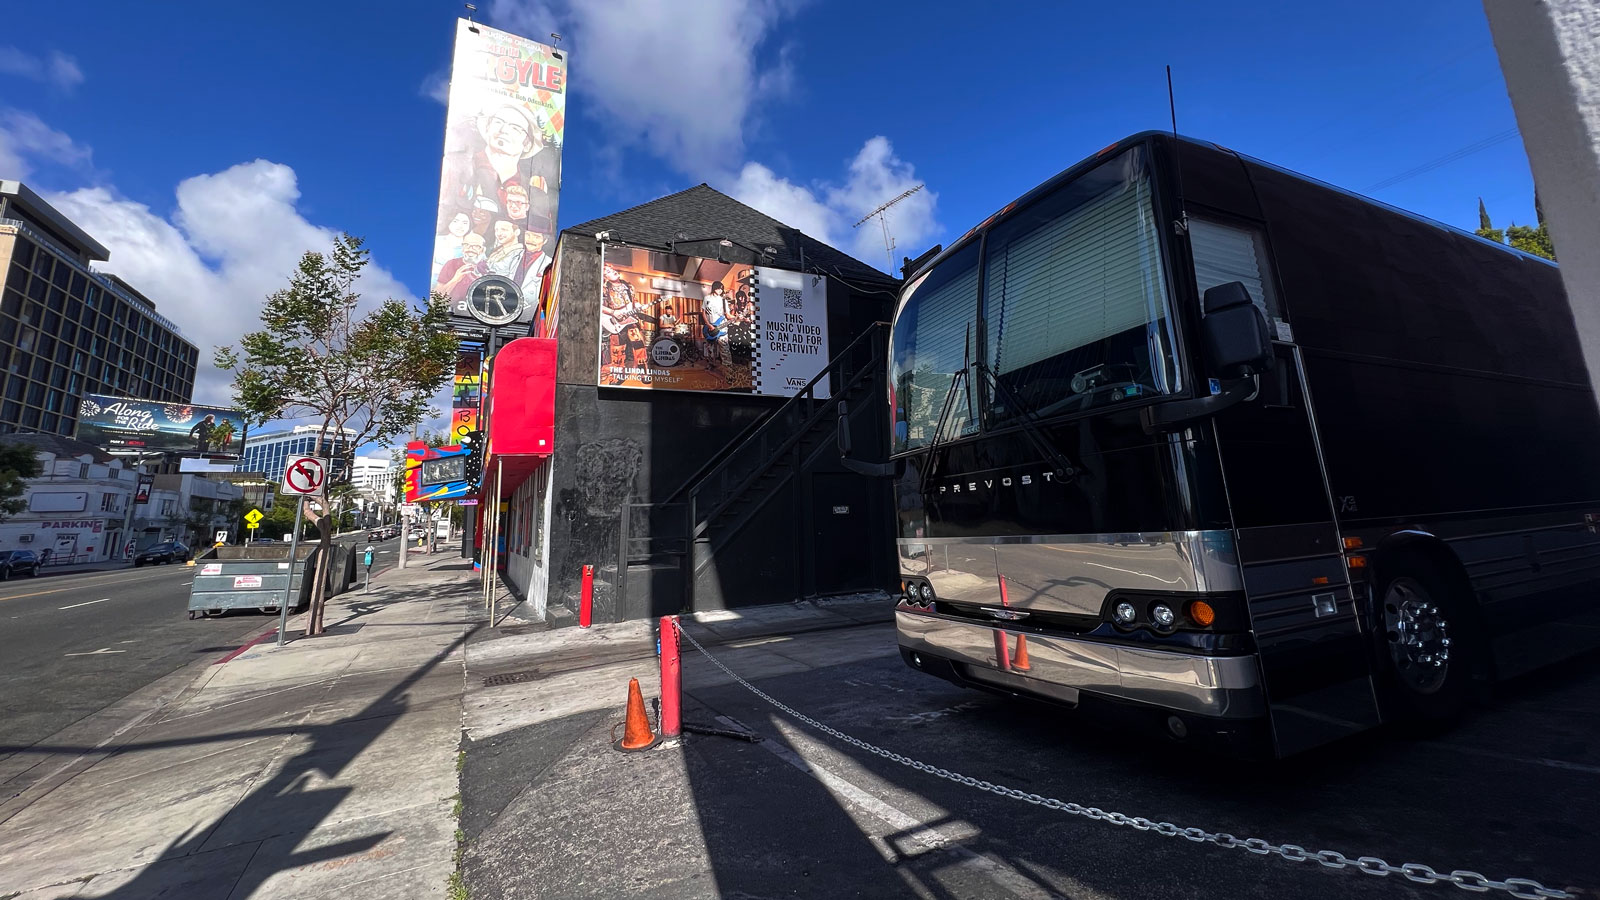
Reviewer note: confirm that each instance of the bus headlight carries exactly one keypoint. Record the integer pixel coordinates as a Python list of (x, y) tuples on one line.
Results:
[(927, 592), (1162, 615), (1125, 613)]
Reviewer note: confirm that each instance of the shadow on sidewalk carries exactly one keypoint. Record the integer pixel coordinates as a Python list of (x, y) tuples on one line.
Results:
[(329, 750)]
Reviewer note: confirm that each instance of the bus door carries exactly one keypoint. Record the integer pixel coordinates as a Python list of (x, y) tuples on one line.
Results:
[(1303, 610)]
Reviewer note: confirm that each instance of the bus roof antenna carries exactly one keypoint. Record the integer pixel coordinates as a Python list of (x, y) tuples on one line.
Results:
[(1181, 226)]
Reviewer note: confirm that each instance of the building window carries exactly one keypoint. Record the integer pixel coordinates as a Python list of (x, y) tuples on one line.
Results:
[(50, 423), (166, 507)]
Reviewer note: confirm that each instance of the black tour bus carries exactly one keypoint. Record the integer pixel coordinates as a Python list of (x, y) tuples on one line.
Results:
[(1238, 456)]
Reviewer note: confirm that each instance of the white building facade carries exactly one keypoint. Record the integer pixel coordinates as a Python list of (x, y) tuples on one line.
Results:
[(77, 507)]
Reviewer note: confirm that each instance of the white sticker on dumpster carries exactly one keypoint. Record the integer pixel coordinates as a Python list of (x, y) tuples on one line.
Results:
[(211, 569), (283, 565), (246, 581)]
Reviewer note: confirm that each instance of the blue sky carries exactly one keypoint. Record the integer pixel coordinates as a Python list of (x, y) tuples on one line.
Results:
[(148, 120)]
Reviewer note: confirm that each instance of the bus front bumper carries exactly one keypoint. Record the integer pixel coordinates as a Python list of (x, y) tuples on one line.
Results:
[(1066, 669)]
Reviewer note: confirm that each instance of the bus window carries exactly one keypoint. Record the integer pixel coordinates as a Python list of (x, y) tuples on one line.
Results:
[(934, 334), (1075, 298), (1224, 253)]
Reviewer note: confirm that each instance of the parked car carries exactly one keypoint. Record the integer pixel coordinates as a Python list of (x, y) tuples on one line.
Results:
[(164, 552), (19, 562), (376, 534)]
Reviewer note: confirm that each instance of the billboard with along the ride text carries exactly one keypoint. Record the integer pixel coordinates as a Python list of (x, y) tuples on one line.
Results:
[(125, 425), (502, 172), (684, 323)]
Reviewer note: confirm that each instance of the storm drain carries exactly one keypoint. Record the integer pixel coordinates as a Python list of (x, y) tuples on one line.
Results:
[(509, 678)]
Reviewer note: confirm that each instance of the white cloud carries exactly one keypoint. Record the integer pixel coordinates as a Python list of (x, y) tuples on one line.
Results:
[(236, 236), (57, 68), (436, 87), (25, 138), (677, 79), (827, 211)]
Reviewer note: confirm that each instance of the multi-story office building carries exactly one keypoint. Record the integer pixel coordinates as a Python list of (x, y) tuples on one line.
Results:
[(269, 452), (67, 330), (373, 476)]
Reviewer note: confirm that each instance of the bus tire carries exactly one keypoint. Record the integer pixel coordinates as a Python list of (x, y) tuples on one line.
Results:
[(1423, 646)]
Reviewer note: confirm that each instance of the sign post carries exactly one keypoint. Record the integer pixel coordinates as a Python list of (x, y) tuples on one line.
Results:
[(253, 521), (304, 477)]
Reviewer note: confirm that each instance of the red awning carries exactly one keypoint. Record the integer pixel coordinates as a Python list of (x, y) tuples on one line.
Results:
[(520, 411)]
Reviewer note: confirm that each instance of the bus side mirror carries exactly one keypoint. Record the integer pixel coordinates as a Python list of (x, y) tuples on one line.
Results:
[(873, 470), (1234, 333)]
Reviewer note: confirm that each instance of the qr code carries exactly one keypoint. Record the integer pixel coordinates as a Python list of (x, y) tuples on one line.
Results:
[(792, 299)]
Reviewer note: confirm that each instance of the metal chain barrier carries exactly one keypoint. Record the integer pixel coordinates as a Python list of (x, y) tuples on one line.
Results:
[(1332, 859)]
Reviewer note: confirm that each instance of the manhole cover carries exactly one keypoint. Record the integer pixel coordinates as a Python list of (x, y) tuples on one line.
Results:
[(509, 678)]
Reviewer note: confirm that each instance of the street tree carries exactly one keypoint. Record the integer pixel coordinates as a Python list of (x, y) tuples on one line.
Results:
[(318, 356), (18, 463), (1527, 238)]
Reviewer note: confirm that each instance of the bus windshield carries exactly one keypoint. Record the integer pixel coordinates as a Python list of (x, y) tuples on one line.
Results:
[(1074, 312)]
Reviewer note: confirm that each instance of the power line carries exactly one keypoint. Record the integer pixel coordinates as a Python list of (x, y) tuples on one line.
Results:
[(1448, 158)]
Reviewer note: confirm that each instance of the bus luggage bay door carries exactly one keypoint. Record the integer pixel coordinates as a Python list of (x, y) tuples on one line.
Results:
[(1302, 609)]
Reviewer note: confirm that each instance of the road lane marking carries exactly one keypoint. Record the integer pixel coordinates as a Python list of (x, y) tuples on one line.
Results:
[(928, 836), (63, 590), (85, 603), (97, 652)]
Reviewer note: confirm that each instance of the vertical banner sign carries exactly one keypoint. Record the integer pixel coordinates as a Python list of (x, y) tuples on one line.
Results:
[(467, 397), (687, 323), (502, 165)]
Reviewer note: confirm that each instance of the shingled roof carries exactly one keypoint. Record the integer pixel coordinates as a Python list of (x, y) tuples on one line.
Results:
[(705, 212)]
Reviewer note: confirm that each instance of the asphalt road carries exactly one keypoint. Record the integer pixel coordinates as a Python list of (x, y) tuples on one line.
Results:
[(1510, 791), (71, 645)]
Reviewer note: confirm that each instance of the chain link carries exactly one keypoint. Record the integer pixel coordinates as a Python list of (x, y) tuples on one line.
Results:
[(1332, 859)]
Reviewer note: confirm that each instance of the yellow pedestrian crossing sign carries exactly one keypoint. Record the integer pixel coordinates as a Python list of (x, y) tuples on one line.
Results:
[(253, 516)]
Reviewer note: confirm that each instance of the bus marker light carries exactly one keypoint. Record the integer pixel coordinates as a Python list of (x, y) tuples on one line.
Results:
[(1202, 613), (1357, 562), (1353, 543), (1320, 579)]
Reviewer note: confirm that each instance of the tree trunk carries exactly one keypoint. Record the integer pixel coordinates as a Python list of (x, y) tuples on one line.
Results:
[(319, 593)]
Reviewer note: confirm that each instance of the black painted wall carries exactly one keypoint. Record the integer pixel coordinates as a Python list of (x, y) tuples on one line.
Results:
[(616, 445)]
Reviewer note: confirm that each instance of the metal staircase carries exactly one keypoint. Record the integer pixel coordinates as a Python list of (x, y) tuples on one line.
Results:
[(719, 499)]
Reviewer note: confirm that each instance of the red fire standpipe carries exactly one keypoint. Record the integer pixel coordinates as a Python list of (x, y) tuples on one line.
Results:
[(671, 680), (586, 598)]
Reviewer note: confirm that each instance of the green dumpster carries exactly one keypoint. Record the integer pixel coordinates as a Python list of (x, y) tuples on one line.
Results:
[(249, 577)]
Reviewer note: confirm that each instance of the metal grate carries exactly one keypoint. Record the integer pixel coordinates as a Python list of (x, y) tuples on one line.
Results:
[(509, 678)]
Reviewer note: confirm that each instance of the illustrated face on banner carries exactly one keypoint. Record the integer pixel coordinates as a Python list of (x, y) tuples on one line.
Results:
[(705, 325), (502, 159)]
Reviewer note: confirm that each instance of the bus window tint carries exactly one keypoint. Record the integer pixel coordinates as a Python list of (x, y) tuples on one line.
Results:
[(1075, 298), (1224, 253), (934, 335)]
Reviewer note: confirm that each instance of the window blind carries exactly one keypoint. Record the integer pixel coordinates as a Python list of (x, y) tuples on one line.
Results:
[(1092, 273), (1224, 253)]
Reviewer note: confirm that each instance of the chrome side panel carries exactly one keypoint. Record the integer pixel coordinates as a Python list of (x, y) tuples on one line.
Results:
[(1071, 573), (1224, 687)]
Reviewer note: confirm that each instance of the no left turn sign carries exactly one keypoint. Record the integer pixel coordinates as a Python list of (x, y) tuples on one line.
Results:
[(305, 475)]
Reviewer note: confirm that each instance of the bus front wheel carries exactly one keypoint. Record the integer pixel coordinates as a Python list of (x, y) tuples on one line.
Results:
[(1422, 645)]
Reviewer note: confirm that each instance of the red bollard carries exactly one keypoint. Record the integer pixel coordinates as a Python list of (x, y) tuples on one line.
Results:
[(671, 679), (586, 598)]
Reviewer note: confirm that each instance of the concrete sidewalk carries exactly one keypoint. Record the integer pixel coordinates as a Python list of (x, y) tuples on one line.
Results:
[(327, 766)]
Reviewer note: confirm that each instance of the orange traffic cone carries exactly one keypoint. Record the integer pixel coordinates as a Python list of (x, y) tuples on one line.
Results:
[(1019, 661), (636, 733)]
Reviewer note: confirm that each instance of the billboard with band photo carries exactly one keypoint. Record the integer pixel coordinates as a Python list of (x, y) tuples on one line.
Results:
[(685, 323), (502, 166), (124, 425)]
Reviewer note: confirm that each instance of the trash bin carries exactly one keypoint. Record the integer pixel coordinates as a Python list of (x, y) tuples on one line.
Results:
[(249, 577)]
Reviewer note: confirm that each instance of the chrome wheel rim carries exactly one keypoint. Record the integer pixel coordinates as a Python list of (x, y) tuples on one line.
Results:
[(1418, 636)]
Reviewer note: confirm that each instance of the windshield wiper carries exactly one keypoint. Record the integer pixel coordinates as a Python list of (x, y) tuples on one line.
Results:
[(956, 380), (1030, 425)]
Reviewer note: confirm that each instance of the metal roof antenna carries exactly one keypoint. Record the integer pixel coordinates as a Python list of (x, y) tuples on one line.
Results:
[(882, 212), (1181, 226), (471, 25)]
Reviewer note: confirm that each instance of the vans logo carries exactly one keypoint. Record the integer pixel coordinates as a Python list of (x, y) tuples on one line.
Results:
[(796, 382)]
